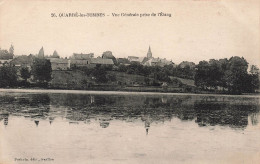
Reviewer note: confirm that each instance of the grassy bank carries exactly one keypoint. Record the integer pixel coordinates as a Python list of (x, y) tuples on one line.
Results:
[(121, 82)]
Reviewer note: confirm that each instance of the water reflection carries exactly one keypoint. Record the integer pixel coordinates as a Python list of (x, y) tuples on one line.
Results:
[(36, 122), (235, 112), (5, 118)]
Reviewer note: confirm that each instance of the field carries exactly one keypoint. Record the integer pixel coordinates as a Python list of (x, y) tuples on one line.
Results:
[(122, 81)]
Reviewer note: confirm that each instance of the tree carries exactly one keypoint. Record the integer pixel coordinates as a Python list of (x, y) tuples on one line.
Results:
[(236, 75), (25, 73), (214, 74), (185, 70), (5, 55), (8, 76), (111, 77), (147, 81), (41, 70), (100, 74), (231, 74), (168, 69), (201, 75), (146, 70), (122, 68), (254, 78), (254, 70), (224, 67)]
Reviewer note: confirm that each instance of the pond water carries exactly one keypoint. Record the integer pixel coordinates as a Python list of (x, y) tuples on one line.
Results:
[(117, 127)]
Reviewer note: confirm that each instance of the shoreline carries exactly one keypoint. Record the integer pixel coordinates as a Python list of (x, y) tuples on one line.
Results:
[(99, 92)]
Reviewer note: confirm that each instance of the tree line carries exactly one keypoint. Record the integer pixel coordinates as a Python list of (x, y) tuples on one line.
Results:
[(157, 72), (228, 75), (154, 75), (39, 73)]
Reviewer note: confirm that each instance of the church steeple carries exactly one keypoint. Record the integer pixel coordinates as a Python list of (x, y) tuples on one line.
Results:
[(149, 53), (11, 49), (41, 53)]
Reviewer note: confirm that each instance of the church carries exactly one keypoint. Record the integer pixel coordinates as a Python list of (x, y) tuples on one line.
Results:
[(151, 61)]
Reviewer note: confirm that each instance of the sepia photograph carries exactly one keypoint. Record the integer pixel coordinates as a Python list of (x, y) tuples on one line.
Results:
[(129, 82)]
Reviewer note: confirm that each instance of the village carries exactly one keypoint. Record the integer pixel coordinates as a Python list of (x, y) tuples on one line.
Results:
[(84, 60), (106, 72)]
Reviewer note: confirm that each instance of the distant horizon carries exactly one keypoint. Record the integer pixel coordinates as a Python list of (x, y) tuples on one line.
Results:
[(50, 54)]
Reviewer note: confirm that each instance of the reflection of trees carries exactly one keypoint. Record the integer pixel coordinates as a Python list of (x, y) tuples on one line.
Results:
[(29, 105), (104, 108), (223, 114), (76, 100), (254, 118)]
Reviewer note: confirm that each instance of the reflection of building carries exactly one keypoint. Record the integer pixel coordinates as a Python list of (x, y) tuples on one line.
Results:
[(36, 122), (104, 121), (164, 100), (51, 120), (253, 118), (5, 118), (76, 116), (92, 99), (104, 124), (147, 122), (147, 126)]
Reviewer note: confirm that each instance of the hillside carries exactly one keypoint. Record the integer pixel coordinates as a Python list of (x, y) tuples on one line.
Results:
[(127, 79), (69, 79), (188, 82), (77, 79)]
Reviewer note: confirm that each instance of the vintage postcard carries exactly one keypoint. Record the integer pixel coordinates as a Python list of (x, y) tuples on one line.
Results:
[(126, 82)]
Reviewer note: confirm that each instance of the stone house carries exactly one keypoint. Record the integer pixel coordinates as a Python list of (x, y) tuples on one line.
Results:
[(59, 64)]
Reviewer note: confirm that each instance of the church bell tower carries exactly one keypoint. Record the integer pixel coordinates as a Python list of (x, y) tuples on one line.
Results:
[(149, 53)]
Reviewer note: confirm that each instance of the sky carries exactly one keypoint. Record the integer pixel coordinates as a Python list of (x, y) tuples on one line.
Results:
[(197, 29)]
